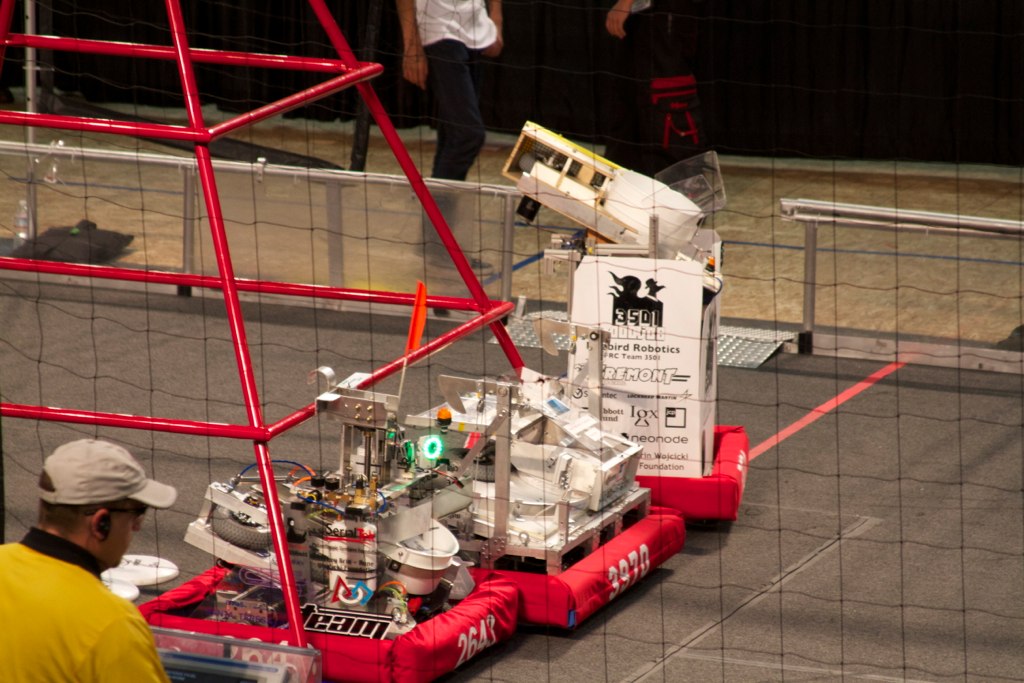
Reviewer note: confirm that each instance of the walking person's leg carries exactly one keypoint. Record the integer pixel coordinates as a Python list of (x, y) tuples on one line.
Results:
[(455, 84), (454, 74)]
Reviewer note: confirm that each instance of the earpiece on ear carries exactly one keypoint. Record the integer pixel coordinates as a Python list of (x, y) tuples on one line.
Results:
[(103, 525)]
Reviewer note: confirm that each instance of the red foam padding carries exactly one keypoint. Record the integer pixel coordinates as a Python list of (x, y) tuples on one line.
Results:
[(543, 599), (567, 599), (433, 648), (716, 496), (189, 593)]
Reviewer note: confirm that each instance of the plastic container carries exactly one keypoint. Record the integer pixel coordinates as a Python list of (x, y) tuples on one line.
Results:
[(633, 198), (346, 556), (420, 562), (21, 223)]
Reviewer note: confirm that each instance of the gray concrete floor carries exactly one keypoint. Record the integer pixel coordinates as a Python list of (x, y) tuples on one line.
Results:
[(883, 541)]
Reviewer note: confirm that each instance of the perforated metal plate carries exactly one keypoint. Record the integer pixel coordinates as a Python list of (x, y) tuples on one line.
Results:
[(522, 333), (739, 347), (748, 347)]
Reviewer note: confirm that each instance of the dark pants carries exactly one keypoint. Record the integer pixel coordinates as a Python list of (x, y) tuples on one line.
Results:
[(454, 72), (656, 121)]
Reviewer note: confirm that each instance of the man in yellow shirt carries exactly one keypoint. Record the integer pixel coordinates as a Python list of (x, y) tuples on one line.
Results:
[(60, 623)]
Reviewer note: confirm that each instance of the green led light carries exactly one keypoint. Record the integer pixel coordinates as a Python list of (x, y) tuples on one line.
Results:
[(432, 447)]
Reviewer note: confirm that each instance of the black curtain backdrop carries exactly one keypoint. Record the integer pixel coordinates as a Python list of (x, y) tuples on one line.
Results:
[(935, 80)]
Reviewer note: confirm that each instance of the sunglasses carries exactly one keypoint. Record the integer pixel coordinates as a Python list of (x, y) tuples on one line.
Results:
[(138, 510)]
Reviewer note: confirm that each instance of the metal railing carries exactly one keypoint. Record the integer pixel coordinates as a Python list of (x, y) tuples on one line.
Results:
[(813, 214), (334, 183)]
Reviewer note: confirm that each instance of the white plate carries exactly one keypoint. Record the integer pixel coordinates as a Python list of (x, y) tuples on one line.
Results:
[(142, 570), (128, 591)]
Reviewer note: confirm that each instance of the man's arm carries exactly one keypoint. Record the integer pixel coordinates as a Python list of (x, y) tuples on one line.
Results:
[(615, 22), (494, 12), (414, 62)]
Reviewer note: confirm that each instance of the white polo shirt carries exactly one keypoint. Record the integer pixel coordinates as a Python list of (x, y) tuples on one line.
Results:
[(463, 20)]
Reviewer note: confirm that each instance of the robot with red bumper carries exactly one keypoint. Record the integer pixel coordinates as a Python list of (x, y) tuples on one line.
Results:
[(505, 479), (647, 269)]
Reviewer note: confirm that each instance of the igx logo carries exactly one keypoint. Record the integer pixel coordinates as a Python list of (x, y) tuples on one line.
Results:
[(675, 417), (642, 417)]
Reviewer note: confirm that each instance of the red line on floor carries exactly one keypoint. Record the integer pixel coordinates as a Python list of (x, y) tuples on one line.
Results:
[(824, 409)]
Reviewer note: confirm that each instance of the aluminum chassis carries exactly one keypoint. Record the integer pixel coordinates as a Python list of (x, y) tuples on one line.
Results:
[(590, 535)]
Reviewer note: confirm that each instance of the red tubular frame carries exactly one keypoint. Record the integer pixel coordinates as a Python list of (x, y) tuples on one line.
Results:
[(349, 72), (163, 277), (136, 50)]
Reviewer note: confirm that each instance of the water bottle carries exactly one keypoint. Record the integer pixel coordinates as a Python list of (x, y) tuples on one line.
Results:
[(21, 223)]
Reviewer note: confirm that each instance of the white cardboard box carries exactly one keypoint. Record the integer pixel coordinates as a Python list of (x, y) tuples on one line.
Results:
[(659, 375)]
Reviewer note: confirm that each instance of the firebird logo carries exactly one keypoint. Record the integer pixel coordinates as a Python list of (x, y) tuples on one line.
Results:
[(629, 307)]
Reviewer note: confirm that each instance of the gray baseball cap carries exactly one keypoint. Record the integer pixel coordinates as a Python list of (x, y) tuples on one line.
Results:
[(88, 471)]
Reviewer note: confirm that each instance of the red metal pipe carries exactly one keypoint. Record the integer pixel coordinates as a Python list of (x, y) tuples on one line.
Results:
[(179, 40), (207, 177), (265, 466), (6, 13), (401, 154), (500, 309), (107, 272), (166, 52), (428, 349), (124, 420), (236, 323), (289, 421), (299, 99), (162, 277), (159, 131), (504, 340), (405, 161), (197, 134)]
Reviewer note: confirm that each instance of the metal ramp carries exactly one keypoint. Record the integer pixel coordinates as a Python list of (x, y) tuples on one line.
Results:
[(749, 347)]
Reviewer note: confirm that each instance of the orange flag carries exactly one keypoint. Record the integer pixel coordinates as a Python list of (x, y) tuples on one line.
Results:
[(419, 318)]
